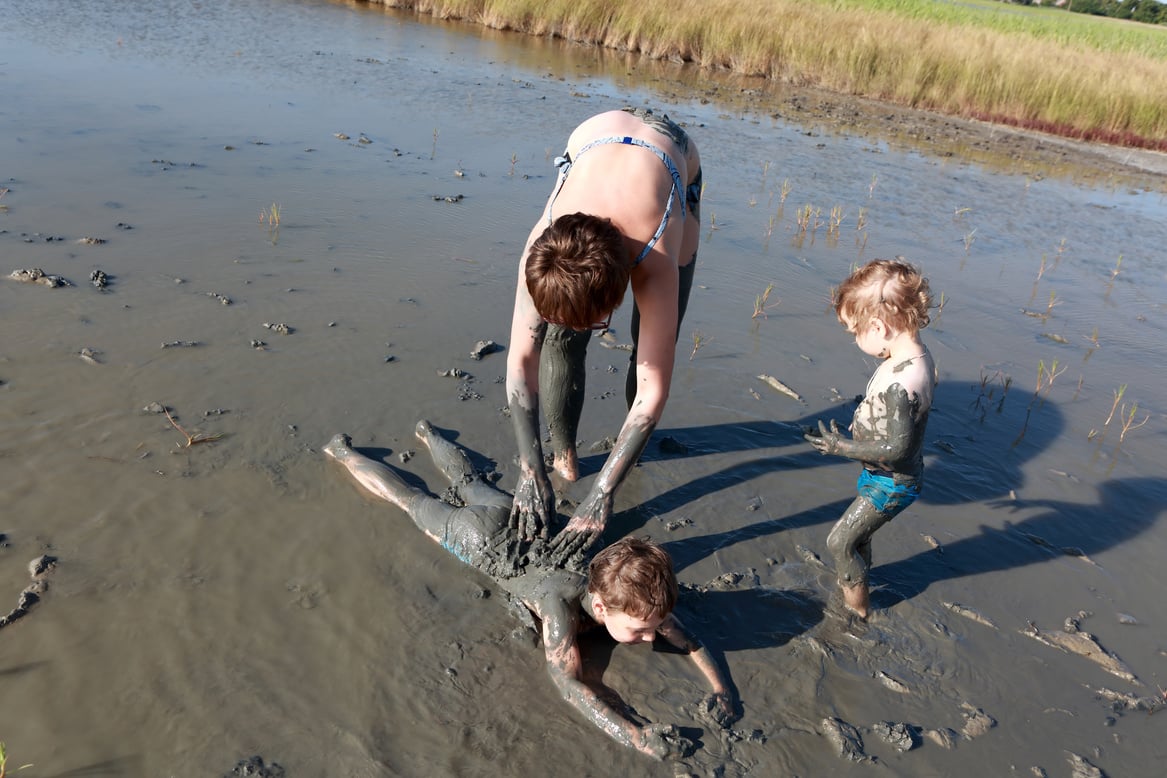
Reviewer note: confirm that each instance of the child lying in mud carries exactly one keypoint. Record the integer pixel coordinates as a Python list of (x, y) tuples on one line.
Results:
[(629, 587), (884, 304)]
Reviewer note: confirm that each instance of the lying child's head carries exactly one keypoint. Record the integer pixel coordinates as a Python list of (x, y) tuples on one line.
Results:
[(886, 289), (633, 588)]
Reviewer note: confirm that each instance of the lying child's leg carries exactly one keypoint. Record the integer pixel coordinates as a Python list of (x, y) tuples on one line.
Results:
[(375, 476), (452, 460), (468, 532)]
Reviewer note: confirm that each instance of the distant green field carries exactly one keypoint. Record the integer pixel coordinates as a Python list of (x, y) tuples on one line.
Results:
[(1041, 68), (1043, 22)]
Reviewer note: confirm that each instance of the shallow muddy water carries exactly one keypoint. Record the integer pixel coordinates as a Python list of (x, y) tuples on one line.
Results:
[(240, 597)]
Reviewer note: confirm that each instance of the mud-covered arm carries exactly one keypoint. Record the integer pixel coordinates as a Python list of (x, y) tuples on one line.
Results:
[(720, 705), (895, 435), (560, 632), (655, 286), (534, 498)]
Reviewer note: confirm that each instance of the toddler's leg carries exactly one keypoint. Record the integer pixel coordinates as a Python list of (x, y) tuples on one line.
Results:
[(850, 545)]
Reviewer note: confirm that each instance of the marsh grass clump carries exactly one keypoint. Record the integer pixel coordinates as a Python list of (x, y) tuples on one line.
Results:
[(699, 340), (762, 304)]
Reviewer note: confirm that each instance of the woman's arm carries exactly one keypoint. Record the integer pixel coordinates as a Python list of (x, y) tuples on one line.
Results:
[(654, 286), (534, 497)]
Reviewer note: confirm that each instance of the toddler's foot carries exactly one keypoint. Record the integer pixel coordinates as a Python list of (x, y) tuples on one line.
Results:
[(339, 447)]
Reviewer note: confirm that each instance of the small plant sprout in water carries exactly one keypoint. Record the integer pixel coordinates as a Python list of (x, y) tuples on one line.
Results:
[(861, 221), (270, 215), (699, 340), (191, 440), (988, 393), (514, 161), (3, 209), (762, 302), (958, 212), (871, 189), (1128, 421), (837, 215), (787, 188), (969, 237), (434, 147), (1113, 275), (4, 761), (1045, 378), (1118, 393), (940, 306), (1045, 381)]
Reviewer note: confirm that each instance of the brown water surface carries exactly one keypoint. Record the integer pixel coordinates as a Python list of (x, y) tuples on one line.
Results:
[(240, 597)]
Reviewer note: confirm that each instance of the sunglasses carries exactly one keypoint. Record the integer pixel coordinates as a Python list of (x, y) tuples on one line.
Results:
[(600, 325)]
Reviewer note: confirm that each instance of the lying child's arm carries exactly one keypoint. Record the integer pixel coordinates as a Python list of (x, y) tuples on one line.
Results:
[(720, 705), (560, 633)]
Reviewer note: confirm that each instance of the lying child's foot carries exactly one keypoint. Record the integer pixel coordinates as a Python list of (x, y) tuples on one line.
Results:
[(339, 447), (423, 431)]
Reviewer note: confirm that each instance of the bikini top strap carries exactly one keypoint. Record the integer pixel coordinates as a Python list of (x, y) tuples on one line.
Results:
[(564, 164)]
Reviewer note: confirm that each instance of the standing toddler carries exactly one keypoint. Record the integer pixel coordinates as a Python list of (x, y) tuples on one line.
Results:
[(884, 304)]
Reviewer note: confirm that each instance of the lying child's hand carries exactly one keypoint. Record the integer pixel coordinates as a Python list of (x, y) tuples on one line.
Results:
[(718, 708), (825, 440), (663, 741)]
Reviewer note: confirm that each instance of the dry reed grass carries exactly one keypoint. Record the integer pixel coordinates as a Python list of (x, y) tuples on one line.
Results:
[(1042, 76)]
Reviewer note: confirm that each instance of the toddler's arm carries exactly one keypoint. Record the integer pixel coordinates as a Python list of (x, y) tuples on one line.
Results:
[(889, 444)]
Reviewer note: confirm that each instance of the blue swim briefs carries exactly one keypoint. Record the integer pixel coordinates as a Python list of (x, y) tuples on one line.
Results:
[(884, 493)]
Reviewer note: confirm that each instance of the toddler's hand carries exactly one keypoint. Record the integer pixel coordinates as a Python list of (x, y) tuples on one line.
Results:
[(826, 440)]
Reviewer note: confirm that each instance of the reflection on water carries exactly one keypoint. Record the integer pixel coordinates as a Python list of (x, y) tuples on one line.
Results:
[(236, 597)]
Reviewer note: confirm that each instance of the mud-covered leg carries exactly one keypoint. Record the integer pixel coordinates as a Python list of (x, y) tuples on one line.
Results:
[(850, 545), (456, 466), (562, 373), (429, 514)]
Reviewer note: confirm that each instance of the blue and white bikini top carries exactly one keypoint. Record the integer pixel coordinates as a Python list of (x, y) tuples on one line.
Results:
[(565, 162)]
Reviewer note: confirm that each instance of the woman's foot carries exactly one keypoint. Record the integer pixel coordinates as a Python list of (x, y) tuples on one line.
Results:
[(566, 463)]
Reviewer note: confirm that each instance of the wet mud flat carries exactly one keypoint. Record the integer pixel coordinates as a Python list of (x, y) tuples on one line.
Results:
[(164, 413)]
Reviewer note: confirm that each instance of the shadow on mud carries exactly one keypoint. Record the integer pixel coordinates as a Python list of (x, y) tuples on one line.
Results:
[(979, 440)]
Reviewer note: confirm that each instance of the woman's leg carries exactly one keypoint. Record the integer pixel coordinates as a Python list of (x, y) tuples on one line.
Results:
[(562, 372), (686, 272)]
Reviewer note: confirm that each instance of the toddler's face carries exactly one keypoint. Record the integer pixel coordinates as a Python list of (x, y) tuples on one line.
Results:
[(868, 335)]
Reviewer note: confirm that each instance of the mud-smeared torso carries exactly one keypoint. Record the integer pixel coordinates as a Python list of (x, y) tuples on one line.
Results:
[(894, 413)]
